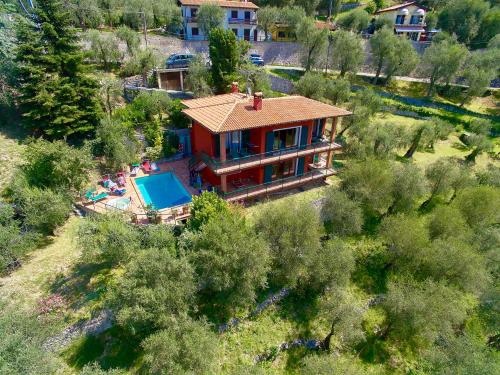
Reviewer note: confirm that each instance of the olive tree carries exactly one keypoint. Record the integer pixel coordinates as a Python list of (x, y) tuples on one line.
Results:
[(347, 52), (313, 42), (341, 215)]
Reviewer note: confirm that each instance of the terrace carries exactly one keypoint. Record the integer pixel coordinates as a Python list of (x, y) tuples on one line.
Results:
[(247, 159)]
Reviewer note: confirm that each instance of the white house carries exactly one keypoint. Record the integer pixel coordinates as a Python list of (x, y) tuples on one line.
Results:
[(408, 19), (240, 17)]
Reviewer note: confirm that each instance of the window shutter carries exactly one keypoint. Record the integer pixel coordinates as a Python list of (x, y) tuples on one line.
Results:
[(268, 174), (304, 134), (300, 166), (269, 142)]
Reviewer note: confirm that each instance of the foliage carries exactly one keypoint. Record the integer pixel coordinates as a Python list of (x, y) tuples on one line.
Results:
[(86, 13), (231, 261), (177, 119), (479, 71), (347, 52), (330, 267), (329, 364), (292, 243), (311, 85), (209, 17), (448, 222), (143, 60), (56, 165), (117, 143), (57, 97), (42, 210), (187, 346), (489, 28), (104, 49), (417, 313), (408, 187), (267, 18), (442, 175), (341, 215), (355, 21), (21, 345), (313, 42), (129, 37), (338, 91), (205, 207), (370, 183), (14, 242), (480, 205), (111, 93), (224, 56), (364, 106), (156, 290), (463, 18), (198, 78), (107, 239), (442, 61)]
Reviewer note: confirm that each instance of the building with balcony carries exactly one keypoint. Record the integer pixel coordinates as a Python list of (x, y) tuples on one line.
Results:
[(240, 17), (250, 146), (408, 19)]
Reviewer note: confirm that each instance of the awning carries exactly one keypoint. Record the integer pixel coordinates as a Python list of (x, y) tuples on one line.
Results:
[(416, 29)]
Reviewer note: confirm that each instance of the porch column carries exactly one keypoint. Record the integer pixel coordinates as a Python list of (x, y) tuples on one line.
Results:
[(222, 146), (223, 183), (182, 80), (158, 79), (329, 157)]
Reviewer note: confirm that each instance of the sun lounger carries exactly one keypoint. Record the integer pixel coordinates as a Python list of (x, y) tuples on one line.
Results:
[(155, 167), (119, 192), (146, 167), (134, 170), (98, 197), (90, 193)]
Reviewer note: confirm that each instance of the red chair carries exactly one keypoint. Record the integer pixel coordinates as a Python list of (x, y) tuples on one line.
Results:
[(146, 166)]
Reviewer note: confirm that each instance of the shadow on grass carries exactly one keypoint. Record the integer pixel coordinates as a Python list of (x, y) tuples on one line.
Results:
[(300, 307), (371, 272), (86, 282), (114, 348), (373, 350)]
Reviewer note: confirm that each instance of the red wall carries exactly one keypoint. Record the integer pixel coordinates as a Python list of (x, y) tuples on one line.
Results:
[(202, 139)]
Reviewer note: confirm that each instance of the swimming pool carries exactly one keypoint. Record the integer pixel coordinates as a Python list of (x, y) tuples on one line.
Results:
[(162, 190)]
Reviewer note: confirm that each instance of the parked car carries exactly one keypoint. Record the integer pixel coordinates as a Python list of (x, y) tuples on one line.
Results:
[(179, 60), (257, 59)]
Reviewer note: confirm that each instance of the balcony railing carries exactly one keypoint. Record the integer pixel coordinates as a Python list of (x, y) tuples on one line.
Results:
[(243, 21), (278, 185), (191, 19), (253, 160)]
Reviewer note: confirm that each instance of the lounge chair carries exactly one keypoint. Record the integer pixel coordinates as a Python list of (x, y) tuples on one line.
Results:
[(98, 197), (119, 192), (135, 170), (90, 193), (155, 167), (146, 166)]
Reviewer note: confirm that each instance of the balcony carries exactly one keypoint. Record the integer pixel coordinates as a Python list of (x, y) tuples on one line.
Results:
[(276, 186), (191, 19), (245, 161), (241, 21)]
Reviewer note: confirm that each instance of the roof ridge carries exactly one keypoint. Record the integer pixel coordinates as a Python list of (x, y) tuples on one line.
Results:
[(227, 116)]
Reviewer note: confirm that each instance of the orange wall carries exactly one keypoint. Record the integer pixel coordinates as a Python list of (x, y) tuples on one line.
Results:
[(202, 139)]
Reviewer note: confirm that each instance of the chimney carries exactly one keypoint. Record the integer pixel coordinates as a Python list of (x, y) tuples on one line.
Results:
[(234, 88), (257, 101)]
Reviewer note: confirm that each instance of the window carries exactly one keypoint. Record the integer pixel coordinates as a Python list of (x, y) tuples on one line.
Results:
[(400, 19), (283, 170), (317, 130), (247, 15), (246, 34), (413, 36), (235, 31), (281, 34), (234, 14), (194, 12), (416, 20), (195, 31), (286, 138), (233, 144)]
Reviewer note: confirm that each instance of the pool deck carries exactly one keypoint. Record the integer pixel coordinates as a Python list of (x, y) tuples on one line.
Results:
[(137, 208)]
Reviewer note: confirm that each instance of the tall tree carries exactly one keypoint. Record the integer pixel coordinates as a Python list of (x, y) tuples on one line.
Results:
[(57, 97), (402, 61), (224, 55), (463, 18), (231, 262), (442, 61), (313, 42), (267, 16), (129, 37), (338, 91), (347, 52), (355, 21), (198, 78), (382, 45), (104, 49), (86, 13), (479, 71), (308, 5), (210, 16), (341, 215)]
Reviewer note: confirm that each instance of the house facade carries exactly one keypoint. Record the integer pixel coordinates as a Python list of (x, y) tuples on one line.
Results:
[(240, 17), (408, 19), (250, 146)]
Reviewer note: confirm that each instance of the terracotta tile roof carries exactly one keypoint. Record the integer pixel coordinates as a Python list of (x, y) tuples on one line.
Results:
[(231, 112), (396, 7), (221, 3)]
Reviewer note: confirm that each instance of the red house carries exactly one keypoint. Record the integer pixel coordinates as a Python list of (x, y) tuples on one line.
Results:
[(250, 146)]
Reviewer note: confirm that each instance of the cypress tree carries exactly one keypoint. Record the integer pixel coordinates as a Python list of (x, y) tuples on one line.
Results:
[(57, 97)]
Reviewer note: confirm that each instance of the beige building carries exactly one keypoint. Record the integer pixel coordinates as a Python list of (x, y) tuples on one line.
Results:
[(408, 19)]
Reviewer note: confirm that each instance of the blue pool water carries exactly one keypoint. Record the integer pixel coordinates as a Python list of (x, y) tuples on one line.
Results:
[(162, 190)]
